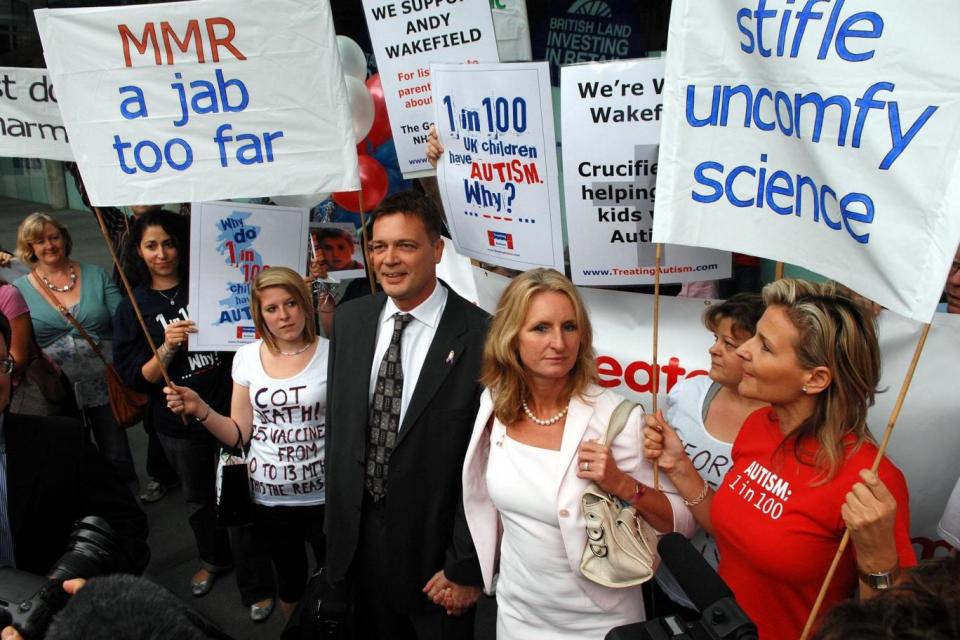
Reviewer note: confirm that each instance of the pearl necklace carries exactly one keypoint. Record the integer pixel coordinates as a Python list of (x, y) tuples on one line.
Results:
[(298, 351), (64, 288), (543, 423)]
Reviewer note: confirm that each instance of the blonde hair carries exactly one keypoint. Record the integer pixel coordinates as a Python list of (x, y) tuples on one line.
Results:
[(834, 332), (502, 371), (293, 283), (31, 230)]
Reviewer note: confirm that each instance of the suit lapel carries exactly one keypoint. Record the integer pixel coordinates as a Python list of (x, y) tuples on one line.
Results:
[(437, 365), (578, 418), (356, 392)]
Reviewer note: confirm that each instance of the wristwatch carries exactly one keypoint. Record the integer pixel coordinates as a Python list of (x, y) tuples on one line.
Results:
[(880, 580)]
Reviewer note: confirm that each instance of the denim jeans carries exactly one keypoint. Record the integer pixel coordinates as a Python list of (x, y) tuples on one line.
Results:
[(111, 440)]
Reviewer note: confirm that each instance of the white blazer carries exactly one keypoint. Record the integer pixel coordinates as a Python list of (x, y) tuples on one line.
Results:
[(587, 419)]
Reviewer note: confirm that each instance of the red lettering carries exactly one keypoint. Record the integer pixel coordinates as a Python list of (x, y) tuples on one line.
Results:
[(149, 35), (216, 42), (673, 371), (630, 376), (192, 39), (610, 374), (193, 33), (607, 366)]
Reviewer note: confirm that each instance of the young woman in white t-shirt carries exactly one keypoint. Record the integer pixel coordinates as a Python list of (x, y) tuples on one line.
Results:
[(278, 407)]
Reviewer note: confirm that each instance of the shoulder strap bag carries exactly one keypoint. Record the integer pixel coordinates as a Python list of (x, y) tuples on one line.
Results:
[(621, 546), (127, 405)]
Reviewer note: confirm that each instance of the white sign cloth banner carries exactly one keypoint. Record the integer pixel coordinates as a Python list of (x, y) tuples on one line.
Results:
[(513, 30), (407, 37), (230, 243), (610, 116), (30, 122), (498, 175), (824, 136), (924, 444), (192, 101)]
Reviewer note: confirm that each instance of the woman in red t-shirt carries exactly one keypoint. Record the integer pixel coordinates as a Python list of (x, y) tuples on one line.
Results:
[(800, 473)]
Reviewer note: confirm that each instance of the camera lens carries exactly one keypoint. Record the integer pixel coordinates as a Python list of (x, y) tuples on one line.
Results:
[(92, 550)]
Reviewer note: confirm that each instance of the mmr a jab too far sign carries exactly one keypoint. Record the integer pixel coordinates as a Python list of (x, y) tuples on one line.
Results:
[(823, 133), (190, 101)]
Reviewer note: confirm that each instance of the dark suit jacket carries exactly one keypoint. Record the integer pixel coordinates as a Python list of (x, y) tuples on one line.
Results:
[(55, 477), (424, 501)]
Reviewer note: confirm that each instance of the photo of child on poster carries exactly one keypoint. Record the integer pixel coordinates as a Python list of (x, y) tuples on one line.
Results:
[(334, 252)]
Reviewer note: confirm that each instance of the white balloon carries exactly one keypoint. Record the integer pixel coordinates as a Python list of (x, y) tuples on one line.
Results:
[(352, 58), (308, 201), (361, 107)]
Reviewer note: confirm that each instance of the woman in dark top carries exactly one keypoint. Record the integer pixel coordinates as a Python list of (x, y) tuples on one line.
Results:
[(157, 267)]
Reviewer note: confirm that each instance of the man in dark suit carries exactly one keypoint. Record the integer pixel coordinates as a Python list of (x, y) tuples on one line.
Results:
[(52, 477), (401, 401)]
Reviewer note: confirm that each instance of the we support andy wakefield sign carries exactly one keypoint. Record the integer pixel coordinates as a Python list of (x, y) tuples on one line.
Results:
[(824, 134), (191, 101), (407, 36), (611, 135), (498, 175)]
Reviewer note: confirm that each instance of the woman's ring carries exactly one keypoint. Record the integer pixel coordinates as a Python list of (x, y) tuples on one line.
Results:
[(586, 466)]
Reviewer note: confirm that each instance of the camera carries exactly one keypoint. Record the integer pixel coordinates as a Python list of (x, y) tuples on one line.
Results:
[(28, 602), (721, 618)]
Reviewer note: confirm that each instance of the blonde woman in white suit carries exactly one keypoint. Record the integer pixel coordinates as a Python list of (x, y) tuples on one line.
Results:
[(531, 456)]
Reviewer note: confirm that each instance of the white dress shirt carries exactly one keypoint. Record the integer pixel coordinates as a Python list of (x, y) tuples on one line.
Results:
[(414, 344)]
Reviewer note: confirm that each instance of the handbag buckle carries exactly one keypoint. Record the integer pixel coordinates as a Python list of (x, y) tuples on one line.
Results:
[(598, 549)]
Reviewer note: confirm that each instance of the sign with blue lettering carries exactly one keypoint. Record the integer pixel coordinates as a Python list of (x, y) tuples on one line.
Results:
[(498, 174), (823, 133), (193, 101), (230, 244)]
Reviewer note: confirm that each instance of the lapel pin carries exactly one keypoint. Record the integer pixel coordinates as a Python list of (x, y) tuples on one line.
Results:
[(450, 357)]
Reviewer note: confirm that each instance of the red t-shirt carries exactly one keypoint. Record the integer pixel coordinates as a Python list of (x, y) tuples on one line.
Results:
[(777, 534)]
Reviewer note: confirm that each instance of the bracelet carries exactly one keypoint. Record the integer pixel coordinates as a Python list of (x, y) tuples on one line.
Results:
[(164, 355), (700, 496), (204, 418), (641, 489)]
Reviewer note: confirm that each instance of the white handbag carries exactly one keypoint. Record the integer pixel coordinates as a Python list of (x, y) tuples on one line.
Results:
[(621, 546)]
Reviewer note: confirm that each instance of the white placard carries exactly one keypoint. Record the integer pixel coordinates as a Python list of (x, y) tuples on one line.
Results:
[(610, 114), (924, 444), (407, 37), (498, 174), (230, 243), (823, 135), (196, 101), (30, 122)]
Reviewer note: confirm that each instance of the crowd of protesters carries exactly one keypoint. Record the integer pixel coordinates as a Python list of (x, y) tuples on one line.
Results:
[(456, 446)]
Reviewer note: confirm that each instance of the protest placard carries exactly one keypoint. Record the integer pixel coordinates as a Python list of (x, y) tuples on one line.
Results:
[(610, 116), (925, 449), (30, 122), (822, 135), (407, 36), (498, 174), (196, 101), (230, 243), (334, 245)]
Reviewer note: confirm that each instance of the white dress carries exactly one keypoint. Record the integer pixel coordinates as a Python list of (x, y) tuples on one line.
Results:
[(537, 597)]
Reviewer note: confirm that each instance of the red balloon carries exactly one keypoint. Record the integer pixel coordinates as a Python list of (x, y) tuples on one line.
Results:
[(380, 131), (373, 181), (362, 149)]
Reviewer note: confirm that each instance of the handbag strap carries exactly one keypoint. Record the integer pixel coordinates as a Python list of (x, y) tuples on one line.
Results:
[(618, 420), (59, 306)]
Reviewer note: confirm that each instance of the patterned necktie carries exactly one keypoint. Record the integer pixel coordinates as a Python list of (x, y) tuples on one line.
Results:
[(385, 412)]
